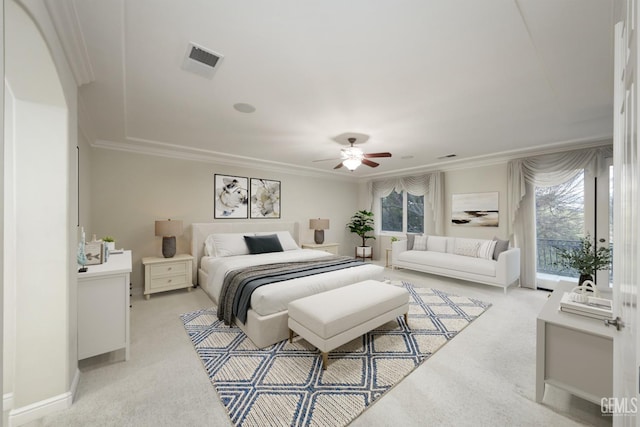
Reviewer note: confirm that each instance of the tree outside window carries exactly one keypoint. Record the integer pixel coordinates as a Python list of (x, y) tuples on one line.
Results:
[(402, 213)]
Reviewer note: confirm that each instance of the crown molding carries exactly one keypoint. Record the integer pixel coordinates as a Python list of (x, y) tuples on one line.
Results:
[(65, 20), (495, 158), (154, 148)]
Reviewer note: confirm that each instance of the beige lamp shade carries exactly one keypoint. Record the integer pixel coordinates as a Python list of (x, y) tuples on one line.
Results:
[(319, 224), (168, 228)]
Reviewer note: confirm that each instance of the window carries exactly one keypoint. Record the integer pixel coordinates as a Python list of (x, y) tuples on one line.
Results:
[(402, 213)]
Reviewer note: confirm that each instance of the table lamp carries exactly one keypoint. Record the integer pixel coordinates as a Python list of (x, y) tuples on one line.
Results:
[(168, 230), (319, 225)]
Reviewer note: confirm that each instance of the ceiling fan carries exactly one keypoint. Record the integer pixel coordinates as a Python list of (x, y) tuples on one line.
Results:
[(352, 157)]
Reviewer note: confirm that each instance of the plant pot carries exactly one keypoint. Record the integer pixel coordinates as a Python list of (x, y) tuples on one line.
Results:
[(110, 245), (363, 252), (584, 277)]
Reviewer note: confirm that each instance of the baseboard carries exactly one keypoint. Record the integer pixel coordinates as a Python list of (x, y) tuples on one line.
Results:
[(7, 402), (37, 410)]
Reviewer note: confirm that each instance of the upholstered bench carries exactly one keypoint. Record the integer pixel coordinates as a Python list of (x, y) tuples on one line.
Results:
[(330, 319)]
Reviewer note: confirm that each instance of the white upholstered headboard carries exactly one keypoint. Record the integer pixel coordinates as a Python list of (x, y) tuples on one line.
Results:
[(200, 231)]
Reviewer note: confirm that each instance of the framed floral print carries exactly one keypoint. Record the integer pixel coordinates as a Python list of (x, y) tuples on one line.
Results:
[(265, 198), (230, 199)]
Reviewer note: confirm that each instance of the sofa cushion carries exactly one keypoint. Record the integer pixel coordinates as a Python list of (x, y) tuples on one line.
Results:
[(420, 243), (460, 263), (437, 244)]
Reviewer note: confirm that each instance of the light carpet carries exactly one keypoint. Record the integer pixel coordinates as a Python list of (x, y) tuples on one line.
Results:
[(284, 384)]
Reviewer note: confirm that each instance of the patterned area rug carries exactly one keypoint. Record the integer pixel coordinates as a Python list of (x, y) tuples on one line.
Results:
[(284, 385)]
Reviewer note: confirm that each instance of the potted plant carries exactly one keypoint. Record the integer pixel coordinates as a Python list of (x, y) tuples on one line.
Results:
[(586, 258), (110, 242), (362, 224)]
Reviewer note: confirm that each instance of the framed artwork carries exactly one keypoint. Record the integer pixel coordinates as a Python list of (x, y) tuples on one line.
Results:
[(475, 209), (93, 252), (230, 199), (265, 198)]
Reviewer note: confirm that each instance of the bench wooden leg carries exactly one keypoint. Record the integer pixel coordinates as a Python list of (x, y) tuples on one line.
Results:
[(325, 360), (290, 335)]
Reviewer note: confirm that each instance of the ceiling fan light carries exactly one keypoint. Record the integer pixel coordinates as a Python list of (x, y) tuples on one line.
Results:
[(352, 164)]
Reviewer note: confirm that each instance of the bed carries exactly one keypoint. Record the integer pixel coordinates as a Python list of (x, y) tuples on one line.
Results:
[(266, 319)]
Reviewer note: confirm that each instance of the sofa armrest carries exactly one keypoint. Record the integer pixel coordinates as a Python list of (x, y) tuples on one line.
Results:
[(397, 248), (508, 268)]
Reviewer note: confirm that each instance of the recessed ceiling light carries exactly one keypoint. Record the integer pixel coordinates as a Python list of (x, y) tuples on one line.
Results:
[(406, 157), (244, 108)]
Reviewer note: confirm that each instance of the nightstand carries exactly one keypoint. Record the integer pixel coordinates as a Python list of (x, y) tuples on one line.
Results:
[(332, 248), (167, 274)]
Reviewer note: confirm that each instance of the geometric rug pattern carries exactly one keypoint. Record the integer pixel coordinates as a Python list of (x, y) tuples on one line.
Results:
[(285, 385)]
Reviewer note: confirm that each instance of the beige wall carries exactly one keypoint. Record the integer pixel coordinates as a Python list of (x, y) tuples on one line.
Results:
[(476, 180), (130, 191)]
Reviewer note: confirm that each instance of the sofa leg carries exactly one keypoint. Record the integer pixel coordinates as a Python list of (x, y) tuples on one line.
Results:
[(325, 360)]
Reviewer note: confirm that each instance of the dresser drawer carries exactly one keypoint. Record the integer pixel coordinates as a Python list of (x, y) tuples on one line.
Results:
[(168, 269)]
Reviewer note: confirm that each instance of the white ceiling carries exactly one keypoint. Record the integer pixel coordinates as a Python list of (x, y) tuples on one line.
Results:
[(422, 78)]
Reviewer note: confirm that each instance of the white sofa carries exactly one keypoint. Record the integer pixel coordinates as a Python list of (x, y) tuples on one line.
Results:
[(461, 258)]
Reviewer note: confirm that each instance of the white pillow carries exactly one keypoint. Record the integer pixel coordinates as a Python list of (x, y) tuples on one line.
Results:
[(436, 244), (467, 248), (486, 249), (420, 243), (286, 241), (226, 244)]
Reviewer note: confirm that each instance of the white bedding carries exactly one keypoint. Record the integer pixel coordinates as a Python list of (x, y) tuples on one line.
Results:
[(275, 297)]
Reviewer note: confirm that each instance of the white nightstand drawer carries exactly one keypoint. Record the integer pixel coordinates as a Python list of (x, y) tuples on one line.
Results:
[(160, 270), (168, 281)]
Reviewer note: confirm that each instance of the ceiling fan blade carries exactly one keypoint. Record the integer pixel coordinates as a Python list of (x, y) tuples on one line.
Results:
[(370, 155), (370, 163), (324, 160), (339, 166)]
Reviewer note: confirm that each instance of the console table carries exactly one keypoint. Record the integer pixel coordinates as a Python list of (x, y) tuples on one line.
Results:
[(573, 352), (103, 307)]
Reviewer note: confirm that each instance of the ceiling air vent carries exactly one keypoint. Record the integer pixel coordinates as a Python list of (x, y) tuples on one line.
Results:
[(201, 61)]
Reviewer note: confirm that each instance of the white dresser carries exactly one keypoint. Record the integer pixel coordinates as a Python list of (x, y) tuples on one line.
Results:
[(574, 352), (103, 307)]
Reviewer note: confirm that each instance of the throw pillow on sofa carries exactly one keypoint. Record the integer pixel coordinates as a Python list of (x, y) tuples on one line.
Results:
[(467, 248), (501, 246), (486, 249), (420, 243)]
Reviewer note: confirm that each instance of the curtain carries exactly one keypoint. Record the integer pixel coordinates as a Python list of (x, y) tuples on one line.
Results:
[(430, 185), (523, 175)]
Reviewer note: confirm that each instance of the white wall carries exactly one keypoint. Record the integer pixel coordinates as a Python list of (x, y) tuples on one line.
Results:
[(43, 140), (130, 191)]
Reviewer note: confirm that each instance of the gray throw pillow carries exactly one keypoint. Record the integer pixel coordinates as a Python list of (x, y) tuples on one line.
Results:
[(501, 246), (411, 237)]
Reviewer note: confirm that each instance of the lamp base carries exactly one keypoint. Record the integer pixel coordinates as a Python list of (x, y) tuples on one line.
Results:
[(318, 237), (169, 246)]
